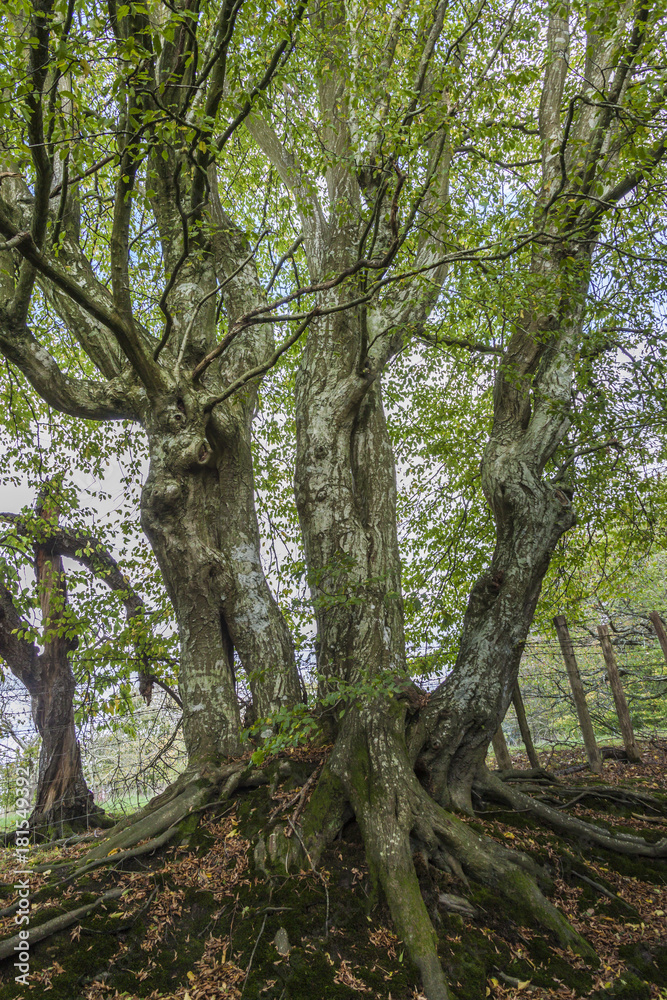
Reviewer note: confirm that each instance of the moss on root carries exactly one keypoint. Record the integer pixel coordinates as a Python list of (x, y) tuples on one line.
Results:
[(332, 920)]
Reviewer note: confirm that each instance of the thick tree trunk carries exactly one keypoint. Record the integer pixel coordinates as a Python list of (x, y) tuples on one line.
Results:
[(532, 397), (346, 498), (199, 516), (463, 713)]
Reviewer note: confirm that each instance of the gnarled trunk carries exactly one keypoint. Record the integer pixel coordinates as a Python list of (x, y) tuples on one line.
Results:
[(464, 712), (346, 498), (198, 513)]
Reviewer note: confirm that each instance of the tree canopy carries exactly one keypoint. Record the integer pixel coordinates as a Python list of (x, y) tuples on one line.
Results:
[(421, 241)]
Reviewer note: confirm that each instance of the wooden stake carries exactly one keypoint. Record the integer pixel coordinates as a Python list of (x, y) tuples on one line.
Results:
[(659, 631), (585, 724), (520, 710), (619, 695), (503, 759)]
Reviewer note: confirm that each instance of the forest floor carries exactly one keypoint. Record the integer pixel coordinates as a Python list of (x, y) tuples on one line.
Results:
[(201, 921)]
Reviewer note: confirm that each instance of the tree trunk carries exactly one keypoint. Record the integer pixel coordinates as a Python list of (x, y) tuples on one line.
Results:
[(659, 631), (578, 694), (62, 798), (520, 710), (199, 516), (346, 499), (619, 695), (464, 712), (503, 759)]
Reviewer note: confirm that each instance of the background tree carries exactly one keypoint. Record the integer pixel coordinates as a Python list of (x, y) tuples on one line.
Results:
[(394, 207), (139, 353), (63, 798)]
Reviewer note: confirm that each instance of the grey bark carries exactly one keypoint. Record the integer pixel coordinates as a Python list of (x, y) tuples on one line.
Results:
[(197, 505)]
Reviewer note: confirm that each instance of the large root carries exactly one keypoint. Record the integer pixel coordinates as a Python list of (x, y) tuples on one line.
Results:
[(60, 923), (369, 768), (161, 820), (491, 786)]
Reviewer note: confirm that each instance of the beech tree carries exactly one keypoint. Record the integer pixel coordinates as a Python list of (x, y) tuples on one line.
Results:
[(589, 159), (386, 127), (63, 799), (133, 369)]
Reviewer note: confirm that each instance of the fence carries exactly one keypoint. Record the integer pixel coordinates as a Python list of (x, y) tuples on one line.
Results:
[(636, 643), (124, 769)]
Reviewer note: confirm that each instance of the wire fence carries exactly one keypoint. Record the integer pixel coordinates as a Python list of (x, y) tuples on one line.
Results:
[(128, 761), (547, 694)]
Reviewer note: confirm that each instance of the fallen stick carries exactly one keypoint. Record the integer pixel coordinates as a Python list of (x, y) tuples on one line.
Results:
[(57, 924)]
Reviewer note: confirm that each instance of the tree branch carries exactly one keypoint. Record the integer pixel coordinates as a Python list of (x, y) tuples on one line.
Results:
[(77, 397), (20, 654), (89, 552), (126, 334)]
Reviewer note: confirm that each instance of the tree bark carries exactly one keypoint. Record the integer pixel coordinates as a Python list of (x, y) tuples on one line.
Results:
[(346, 497), (503, 759), (520, 710), (659, 631), (463, 713)]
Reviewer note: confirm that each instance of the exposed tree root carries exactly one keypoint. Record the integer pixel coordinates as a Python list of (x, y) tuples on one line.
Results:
[(606, 793), (529, 774), (397, 817), (369, 777), (57, 924), (165, 812), (490, 786), (604, 891), (160, 821)]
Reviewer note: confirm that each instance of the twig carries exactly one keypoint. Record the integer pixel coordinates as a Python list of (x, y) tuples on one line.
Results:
[(577, 798), (603, 890), (129, 924), (650, 819), (316, 872), (247, 971), (298, 798)]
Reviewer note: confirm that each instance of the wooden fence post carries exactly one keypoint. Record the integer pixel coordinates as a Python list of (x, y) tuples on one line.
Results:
[(585, 724), (503, 759), (619, 695), (659, 631), (520, 710)]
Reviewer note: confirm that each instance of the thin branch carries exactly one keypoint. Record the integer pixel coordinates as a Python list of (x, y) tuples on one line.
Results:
[(125, 334), (86, 173), (286, 256), (265, 366), (610, 443)]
